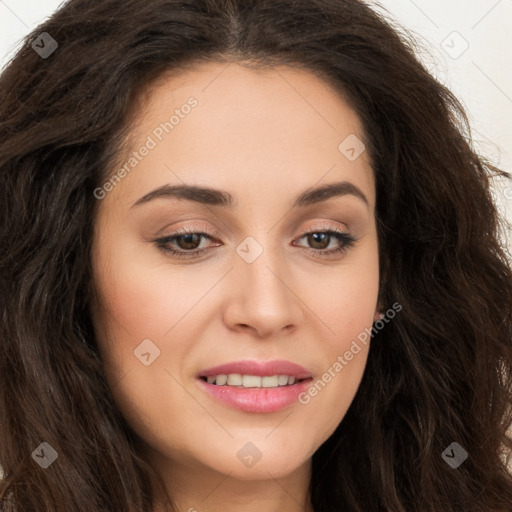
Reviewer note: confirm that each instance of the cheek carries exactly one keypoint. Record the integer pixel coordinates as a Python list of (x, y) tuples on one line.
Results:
[(144, 300), (331, 392), (138, 303), (132, 306), (347, 307), (345, 297)]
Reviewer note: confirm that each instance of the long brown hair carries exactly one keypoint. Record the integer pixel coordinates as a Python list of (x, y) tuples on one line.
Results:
[(439, 373)]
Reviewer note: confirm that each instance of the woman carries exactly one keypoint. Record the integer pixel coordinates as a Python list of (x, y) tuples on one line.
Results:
[(249, 262)]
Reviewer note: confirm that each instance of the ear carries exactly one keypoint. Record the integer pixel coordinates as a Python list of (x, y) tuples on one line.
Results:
[(378, 312)]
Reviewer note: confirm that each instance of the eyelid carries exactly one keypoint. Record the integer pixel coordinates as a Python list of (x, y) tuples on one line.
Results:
[(203, 228), (348, 240), (192, 229), (325, 225)]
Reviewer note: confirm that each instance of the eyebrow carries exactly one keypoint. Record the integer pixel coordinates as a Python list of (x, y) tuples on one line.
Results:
[(215, 197)]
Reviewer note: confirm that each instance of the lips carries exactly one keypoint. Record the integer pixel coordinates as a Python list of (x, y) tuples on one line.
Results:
[(260, 369), (257, 387)]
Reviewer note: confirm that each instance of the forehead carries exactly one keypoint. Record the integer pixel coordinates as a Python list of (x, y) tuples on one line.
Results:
[(247, 127)]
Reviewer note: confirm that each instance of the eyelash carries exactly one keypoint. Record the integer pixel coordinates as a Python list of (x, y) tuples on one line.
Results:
[(163, 243)]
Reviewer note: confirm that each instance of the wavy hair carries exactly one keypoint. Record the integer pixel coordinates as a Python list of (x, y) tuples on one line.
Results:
[(439, 372)]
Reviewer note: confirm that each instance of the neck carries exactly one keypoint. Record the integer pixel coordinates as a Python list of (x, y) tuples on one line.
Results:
[(202, 489)]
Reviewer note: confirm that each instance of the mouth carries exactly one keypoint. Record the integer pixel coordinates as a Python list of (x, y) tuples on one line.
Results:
[(252, 381), (255, 387)]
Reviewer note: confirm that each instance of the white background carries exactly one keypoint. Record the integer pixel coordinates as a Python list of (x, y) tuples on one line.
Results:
[(481, 76)]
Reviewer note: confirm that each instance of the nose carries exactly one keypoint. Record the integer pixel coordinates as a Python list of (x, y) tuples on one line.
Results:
[(264, 299)]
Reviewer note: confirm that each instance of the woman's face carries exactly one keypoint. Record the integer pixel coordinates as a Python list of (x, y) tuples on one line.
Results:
[(256, 292)]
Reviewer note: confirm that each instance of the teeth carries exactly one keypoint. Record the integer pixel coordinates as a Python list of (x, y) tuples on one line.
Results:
[(221, 380), (270, 382), (234, 379), (251, 381)]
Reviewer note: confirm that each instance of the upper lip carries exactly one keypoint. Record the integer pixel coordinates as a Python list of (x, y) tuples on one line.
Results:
[(259, 368)]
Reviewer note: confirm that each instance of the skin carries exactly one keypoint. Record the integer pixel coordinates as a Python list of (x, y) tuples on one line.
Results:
[(265, 136)]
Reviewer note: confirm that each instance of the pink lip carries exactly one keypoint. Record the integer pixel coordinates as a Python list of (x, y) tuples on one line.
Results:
[(261, 369), (259, 400)]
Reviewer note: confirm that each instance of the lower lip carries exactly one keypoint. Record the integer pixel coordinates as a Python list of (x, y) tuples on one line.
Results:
[(256, 399)]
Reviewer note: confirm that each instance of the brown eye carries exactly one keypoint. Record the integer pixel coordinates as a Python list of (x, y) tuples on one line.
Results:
[(185, 244), (319, 240), (188, 242)]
